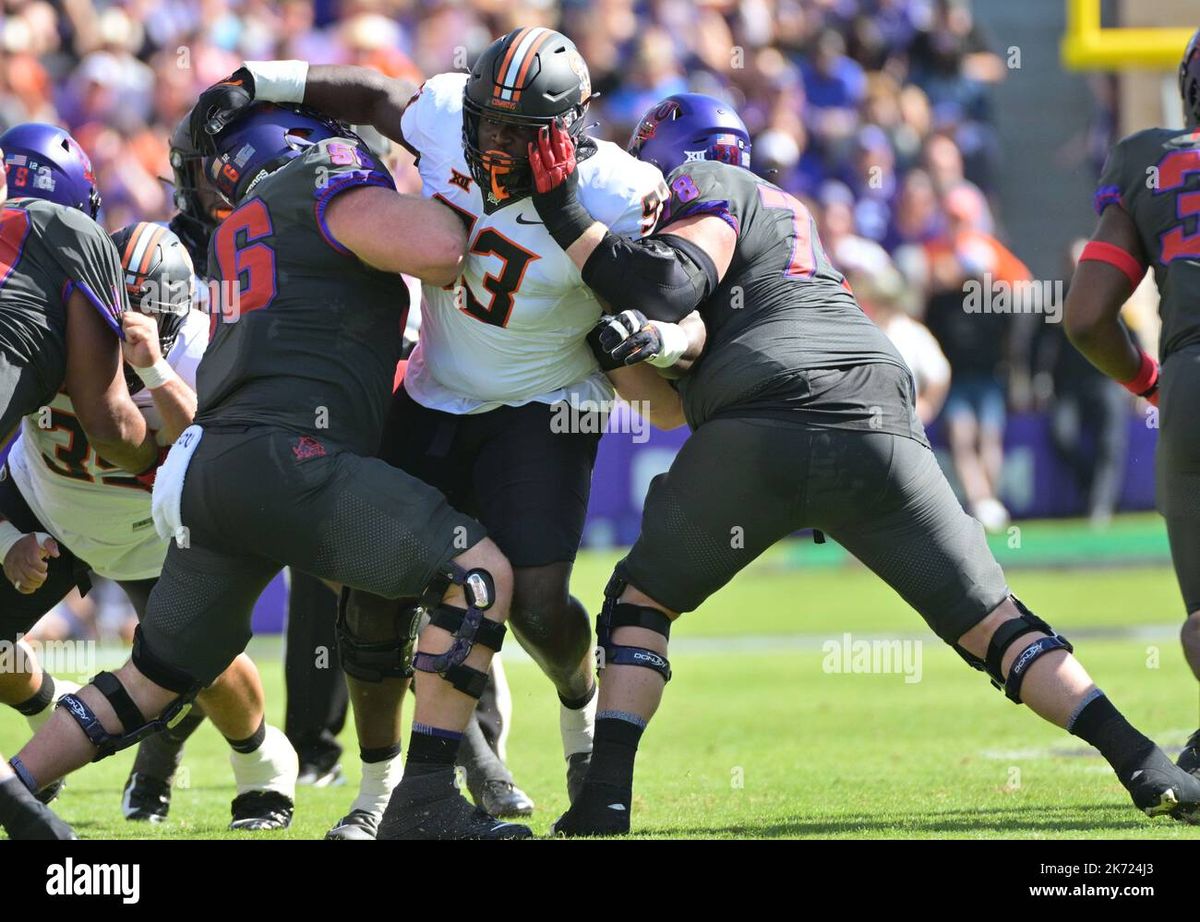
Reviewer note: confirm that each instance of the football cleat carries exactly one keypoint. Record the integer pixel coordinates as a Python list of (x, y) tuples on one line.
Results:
[(578, 764), (357, 825), (1161, 788), (430, 807), (1189, 759), (503, 798), (598, 810), (145, 799), (266, 783), (51, 791), (40, 823), (319, 776), (256, 811)]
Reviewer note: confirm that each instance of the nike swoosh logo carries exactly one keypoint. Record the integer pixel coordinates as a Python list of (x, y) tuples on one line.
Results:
[(520, 221), (618, 807), (1134, 776)]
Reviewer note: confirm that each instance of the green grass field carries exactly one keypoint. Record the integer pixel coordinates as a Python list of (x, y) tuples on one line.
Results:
[(757, 739)]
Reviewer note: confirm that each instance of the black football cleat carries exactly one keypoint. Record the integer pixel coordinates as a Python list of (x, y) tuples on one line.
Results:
[(355, 826), (598, 810), (1161, 788), (145, 799), (430, 807), (24, 817), (1189, 759), (51, 791), (320, 776), (257, 811), (503, 799)]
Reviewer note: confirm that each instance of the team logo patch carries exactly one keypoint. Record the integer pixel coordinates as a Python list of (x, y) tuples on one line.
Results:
[(579, 67), (459, 179), (307, 447)]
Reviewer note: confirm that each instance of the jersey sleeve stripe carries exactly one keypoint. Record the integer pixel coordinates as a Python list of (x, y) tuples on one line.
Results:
[(339, 185), (1105, 196), (110, 315)]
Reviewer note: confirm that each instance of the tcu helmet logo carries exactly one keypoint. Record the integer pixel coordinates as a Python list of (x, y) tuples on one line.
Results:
[(649, 125)]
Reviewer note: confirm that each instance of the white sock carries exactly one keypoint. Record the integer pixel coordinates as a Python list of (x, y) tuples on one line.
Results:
[(578, 727), (379, 779), (61, 687), (273, 766)]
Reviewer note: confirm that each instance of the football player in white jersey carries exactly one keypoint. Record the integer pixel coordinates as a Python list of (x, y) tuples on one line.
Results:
[(67, 512), (504, 351)]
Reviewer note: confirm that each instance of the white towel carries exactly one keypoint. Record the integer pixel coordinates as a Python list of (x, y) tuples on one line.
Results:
[(168, 486)]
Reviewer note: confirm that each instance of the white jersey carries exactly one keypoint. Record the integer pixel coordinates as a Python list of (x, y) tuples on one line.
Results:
[(98, 510), (513, 330)]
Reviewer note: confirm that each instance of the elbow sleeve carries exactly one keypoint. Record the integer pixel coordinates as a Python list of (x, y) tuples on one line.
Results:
[(665, 277)]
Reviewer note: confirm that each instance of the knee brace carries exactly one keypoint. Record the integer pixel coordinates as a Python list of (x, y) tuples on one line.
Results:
[(468, 627), (374, 661), (616, 614), (1004, 637), (134, 724)]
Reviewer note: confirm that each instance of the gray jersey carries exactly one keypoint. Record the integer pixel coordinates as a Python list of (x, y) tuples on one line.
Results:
[(1155, 176), (314, 343), (786, 337), (48, 251)]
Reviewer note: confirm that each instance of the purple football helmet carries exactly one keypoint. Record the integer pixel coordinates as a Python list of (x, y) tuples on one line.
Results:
[(690, 126), (260, 141), (1189, 80), (43, 161)]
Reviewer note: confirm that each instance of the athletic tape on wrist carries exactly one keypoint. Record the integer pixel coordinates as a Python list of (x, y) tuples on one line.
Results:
[(278, 81)]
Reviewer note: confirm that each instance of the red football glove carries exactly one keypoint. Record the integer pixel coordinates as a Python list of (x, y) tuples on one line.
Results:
[(552, 159)]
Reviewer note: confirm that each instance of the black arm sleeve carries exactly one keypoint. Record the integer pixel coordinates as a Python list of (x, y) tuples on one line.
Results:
[(665, 277)]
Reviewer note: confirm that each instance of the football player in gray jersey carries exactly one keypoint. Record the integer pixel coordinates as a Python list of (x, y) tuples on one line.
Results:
[(803, 416), (1148, 201)]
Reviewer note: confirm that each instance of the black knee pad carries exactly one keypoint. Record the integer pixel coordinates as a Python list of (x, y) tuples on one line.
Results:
[(1004, 637), (134, 724), (468, 627), (615, 615), (374, 661)]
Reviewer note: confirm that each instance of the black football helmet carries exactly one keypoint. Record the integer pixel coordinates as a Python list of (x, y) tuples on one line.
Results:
[(200, 208), (160, 280), (1189, 81), (529, 78)]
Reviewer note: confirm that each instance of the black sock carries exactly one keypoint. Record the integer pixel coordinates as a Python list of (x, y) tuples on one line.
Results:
[(1101, 724), (38, 702), (614, 749), (431, 749), (159, 754), (379, 754), (251, 742)]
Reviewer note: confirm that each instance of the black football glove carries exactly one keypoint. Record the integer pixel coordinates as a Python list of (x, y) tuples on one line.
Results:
[(219, 105), (626, 339)]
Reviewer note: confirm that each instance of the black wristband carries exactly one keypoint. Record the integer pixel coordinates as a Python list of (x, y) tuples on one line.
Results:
[(560, 210)]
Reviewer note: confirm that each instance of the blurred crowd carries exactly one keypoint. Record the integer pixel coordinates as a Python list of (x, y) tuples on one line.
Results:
[(877, 114)]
